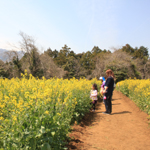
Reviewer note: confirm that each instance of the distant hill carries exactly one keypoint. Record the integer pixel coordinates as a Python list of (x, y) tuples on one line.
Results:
[(3, 56), (2, 51)]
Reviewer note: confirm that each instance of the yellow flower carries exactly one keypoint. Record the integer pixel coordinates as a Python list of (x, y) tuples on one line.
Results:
[(46, 112), (59, 114), (14, 118), (1, 118)]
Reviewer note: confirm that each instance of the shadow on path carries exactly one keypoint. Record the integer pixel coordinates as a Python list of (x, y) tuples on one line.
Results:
[(116, 99), (91, 117), (77, 130), (123, 112), (116, 104), (72, 143), (98, 131)]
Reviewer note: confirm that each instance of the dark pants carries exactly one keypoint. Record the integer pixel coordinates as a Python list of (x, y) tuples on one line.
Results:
[(108, 104)]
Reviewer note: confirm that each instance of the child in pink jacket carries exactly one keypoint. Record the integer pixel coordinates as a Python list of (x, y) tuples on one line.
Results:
[(93, 95)]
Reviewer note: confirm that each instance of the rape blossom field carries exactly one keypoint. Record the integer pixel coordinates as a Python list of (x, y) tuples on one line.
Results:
[(138, 91), (37, 113)]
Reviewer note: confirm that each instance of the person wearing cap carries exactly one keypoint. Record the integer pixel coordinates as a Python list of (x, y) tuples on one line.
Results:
[(102, 86), (103, 81)]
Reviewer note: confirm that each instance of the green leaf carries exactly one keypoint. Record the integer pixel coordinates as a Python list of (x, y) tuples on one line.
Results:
[(33, 143), (42, 130), (53, 133), (58, 123), (46, 146)]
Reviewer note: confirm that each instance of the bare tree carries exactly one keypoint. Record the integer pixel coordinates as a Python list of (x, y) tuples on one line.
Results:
[(101, 62), (27, 43), (143, 67), (147, 69), (120, 62), (12, 65), (31, 54), (50, 69), (9, 55)]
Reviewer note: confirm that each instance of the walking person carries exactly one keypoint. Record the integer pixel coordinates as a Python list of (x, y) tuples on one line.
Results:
[(93, 95), (108, 91)]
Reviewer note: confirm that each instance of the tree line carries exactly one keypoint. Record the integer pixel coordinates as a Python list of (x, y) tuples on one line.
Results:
[(126, 62)]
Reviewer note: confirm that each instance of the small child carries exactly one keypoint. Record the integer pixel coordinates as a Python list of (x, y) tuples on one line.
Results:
[(93, 95)]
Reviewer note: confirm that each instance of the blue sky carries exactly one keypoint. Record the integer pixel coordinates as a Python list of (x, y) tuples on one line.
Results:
[(81, 24)]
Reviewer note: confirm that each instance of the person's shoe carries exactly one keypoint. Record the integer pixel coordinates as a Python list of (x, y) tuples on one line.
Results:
[(106, 113)]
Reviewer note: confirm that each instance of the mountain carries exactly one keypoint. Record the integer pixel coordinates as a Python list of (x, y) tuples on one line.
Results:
[(4, 57), (2, 51)]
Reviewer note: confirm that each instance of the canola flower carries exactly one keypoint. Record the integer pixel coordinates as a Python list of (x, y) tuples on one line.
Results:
[(138, 91), (34, 112)]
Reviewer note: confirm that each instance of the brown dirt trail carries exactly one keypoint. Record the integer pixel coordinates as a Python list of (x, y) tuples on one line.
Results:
[(126, 129)]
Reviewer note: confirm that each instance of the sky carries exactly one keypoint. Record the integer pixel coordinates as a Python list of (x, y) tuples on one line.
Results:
[(81, 24)]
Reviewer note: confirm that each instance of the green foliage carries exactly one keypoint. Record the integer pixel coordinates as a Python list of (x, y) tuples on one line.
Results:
[(36, 71), (134, 62), (120, 73), (136, 73), (138, 91), (45, 146), (70, 66), (17, 66), (76, 65), (3, 73), (141, 52)]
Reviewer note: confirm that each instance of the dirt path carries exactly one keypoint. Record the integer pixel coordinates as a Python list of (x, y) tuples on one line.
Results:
[(126, 129)]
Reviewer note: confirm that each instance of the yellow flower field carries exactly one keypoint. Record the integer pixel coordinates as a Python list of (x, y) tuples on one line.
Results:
[(35, 113), (138, 91)]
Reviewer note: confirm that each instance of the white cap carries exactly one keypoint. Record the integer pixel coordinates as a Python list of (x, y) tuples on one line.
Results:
[(101, 78)]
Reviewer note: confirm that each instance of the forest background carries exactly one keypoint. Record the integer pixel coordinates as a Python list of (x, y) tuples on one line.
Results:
[(126, 62)]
